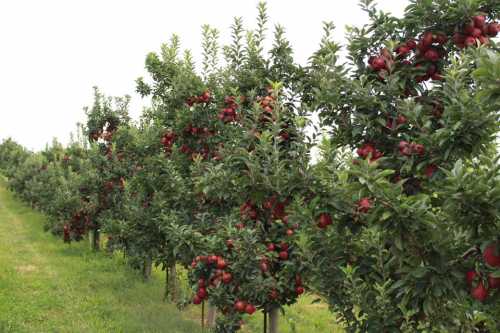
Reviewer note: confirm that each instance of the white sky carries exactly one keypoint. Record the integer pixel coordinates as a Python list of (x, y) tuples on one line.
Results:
[(53, 51)]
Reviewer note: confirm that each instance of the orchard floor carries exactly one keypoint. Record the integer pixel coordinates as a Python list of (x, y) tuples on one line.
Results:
[(48, 286)]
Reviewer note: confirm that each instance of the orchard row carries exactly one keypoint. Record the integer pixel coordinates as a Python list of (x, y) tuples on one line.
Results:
[(395, 223)]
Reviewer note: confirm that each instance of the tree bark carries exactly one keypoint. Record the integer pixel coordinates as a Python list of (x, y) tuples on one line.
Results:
[(172, 288), (211, 315), (273, 320), (167, 285), (146, 268), (95, 239)]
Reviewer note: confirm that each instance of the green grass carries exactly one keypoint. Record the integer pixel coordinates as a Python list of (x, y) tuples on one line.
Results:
[(48, 286)]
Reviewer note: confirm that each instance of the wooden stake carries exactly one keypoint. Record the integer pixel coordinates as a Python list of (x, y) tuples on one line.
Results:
[(211, 314), (273, 320), (265, 322), (203, 316)]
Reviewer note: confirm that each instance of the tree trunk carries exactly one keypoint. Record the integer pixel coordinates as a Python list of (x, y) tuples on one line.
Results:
[(211, 315), (146, 268), (167, 284), (172, 279), (273, 320), (95, 239)]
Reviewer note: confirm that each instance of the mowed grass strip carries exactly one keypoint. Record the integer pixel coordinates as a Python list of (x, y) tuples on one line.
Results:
[(48, 286)]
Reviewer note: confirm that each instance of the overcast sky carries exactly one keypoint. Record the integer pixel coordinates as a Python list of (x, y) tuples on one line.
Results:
[(53, 52)]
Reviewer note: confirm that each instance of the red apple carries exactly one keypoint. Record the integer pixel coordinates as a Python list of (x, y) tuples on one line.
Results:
[(299, 290), (240, 306), (427, 38), (227, 277), (491, 256), (202, 293), (364, 205), (479, 21), (264, 267), (411, 44), (493, 29), (431, 55), (283, 255), (250, 309), (378, 63), (212, 259), (430, 170), (440, 38), (493, 282), (403, 50), (324, 220), (476, 32), (479, 292), (470, 276), (470, 41), (221, 263)]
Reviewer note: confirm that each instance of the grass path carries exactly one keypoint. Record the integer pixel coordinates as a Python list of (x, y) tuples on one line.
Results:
[(48, 286)]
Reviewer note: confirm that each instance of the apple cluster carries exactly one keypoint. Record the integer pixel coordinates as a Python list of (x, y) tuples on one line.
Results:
[(228, 113), (481, 284), (476, 31)]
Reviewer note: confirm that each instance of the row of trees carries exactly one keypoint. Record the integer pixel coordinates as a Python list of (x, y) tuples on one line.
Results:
[(397, 223)]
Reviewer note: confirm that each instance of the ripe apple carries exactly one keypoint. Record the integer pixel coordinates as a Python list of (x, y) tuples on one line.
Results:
[(493, 282), (479, 21), (412, 44), (324, 220), (427, 39), (403, 50), (470, 276), (240, 306), (491, 256), (264, 266), (440, 38), (221, 263), (401, 119), (470, 41), (202, 293), (378, 63), (431, 55), (212, 259), (364, 205), (493, 29), (430, 170), (250, 309), (227, 277), (479, 292)]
